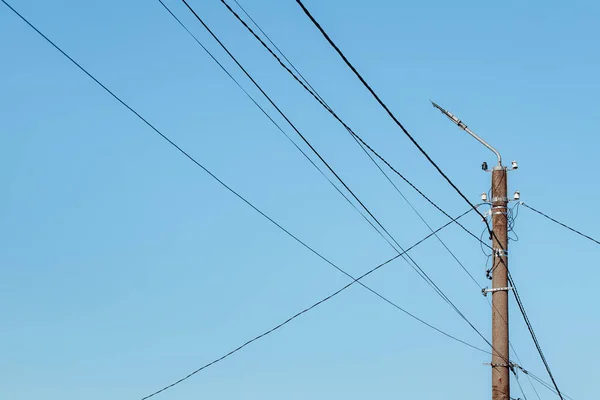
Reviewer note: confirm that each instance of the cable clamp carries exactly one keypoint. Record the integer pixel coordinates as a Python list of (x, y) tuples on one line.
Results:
[(510, 365), (500, 252), (485, 290), (486, 214)]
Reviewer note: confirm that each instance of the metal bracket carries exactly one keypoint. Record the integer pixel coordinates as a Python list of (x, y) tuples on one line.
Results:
[(500, 252), (485, 214), (511, 366), (485, 290), (498, 199)]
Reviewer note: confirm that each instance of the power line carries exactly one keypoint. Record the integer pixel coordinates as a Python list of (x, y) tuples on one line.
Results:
[(320, 100), (195, 161), (329, 297), (238, 195), (528, 377), (412, 263), (168, 140), (277, 48), (297, 131), (389, 112), (385, 107), (356, 136), (533, 336), (433, 232), (519, 384), (307, 86), (561, 224), (315, 94), (541, 382), (191, 34)]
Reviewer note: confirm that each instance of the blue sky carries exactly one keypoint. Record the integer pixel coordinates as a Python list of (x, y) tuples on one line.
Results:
[(125, 267)]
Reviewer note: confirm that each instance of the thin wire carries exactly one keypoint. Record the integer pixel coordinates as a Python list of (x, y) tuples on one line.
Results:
[(222, 183), (527, 375), (232, 191), (277, 48), (356, 136), (561, 224), (412, 262), (195, 161), (312, 307), (298, 132), (533, 336), (168, 140), (264, 112), (385, 299), (541, 382), (384, 106), (519, 384), (306, 85)]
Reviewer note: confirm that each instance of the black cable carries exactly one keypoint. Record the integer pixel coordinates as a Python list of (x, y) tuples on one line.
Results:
[(336, 48), (541, 382), (307, 86), (412, 263), (235, 193), (561, 224), (265, 112), (356, 136), (528, 377), (519, 384), (310, 308), (207, 171), (296, 130), (156, 130), (326, 106), (418, 269), (434, 233), (277, 48), (385, 107), (533, 336)]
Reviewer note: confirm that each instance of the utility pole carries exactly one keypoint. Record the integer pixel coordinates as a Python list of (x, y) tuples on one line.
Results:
[(500, 351), (500, 363)]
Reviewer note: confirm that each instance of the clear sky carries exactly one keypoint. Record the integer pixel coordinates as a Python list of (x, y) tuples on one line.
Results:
[(124, 266)]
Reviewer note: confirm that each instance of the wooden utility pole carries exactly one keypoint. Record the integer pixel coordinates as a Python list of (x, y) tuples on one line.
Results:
[(499, 291), (501, 366)]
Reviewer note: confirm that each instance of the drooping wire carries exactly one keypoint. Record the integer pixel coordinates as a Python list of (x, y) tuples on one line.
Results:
[(228, 188), (181, 150), (354, 280), (406, 257), (541, 382), (519, 384), (309, 88), (277, 48), (385, 107), (329, 297), (560, 223), (528, 377), (266, 114), (409, 136), (532, 333), (319, 99)]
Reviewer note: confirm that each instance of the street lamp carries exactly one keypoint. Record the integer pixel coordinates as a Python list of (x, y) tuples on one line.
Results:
[(466, 129)]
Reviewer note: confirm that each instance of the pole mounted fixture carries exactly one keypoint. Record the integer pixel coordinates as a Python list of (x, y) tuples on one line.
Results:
[(501, 367), (466, 129)]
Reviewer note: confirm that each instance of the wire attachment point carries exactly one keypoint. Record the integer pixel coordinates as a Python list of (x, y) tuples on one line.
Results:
[(485, 290)]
